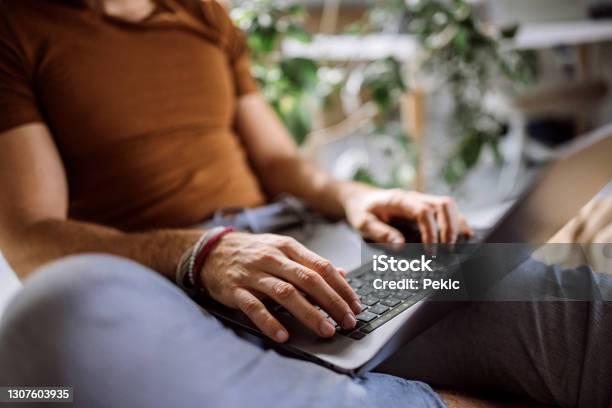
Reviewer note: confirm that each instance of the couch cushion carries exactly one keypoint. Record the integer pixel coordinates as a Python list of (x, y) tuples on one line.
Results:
[(9, 284)]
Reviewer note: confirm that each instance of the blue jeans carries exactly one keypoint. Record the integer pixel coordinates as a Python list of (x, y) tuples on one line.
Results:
[(123, 336)]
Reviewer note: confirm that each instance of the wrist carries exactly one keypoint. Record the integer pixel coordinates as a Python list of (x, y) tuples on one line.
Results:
[(349, 191), (191, 263), (211, 240)]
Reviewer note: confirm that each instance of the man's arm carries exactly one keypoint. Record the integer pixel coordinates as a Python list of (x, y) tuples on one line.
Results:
[(277, 162), (279, 166), (34, 228)]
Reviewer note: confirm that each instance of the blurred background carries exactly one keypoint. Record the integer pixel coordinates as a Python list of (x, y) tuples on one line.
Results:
[(461, 97)]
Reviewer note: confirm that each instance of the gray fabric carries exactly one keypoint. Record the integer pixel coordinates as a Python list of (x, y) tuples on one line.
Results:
[(556, 352), (122, 336), (286, 212)]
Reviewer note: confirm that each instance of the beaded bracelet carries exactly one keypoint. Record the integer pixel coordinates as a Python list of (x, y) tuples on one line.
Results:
[(202, 254), (193, 259), (186, 264)]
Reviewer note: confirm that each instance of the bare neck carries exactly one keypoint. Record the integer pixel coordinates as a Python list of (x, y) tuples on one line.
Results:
[(132, 10)]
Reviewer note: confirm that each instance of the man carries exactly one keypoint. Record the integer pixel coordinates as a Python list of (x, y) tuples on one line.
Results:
[(124, 122), (129, 117)]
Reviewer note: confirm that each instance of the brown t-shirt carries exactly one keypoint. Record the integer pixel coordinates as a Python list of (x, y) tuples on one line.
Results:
[(142, 113)]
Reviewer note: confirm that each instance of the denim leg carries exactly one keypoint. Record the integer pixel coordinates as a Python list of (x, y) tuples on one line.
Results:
[(123, 336), (554, 351)]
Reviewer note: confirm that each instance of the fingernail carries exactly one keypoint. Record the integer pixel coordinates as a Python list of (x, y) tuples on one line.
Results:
[(356, 306), (281, 336), (327, 329), (396, 240), (349, 321)]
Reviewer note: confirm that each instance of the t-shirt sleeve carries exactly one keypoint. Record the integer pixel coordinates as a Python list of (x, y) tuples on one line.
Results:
[(18, 104), (234, 43), (245, 83)]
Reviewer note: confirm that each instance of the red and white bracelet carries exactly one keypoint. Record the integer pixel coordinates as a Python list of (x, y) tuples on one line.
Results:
[(192, 261)]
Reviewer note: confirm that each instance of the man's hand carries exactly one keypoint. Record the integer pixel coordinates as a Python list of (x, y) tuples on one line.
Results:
[(369, 210), (244, 268)]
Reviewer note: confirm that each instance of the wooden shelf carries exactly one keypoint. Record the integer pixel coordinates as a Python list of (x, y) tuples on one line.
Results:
[(569, 33), (404, 47)]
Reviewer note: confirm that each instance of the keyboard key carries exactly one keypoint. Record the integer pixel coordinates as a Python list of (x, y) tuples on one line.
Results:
[(332, 321), (356, 283), (370, 327), (394, 312), (382, 294), (373, 326), (391, 302), (405, 305), (378, 309), (366, 316), (364, 291), (358, 326), (403, 295), (369, 300), (357, 335)]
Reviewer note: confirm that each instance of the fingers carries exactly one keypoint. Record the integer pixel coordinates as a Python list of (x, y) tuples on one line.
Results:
[(604, 236), (376, 230), (315, 286), (301, 255), (258, 314), (447, 216), (427, 225), (597, 219), (465, 228), (444, 225), (285, 294), (438, 218), (419, 210)]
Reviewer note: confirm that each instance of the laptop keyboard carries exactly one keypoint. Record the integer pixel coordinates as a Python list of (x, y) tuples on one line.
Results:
[(379, 306)]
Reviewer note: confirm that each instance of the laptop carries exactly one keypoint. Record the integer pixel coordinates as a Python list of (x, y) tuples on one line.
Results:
[(393, 317)]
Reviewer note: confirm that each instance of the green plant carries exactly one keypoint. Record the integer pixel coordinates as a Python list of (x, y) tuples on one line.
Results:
[(287, 83), (295, 85), (468, 56), (471, 59), (383, 84)]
